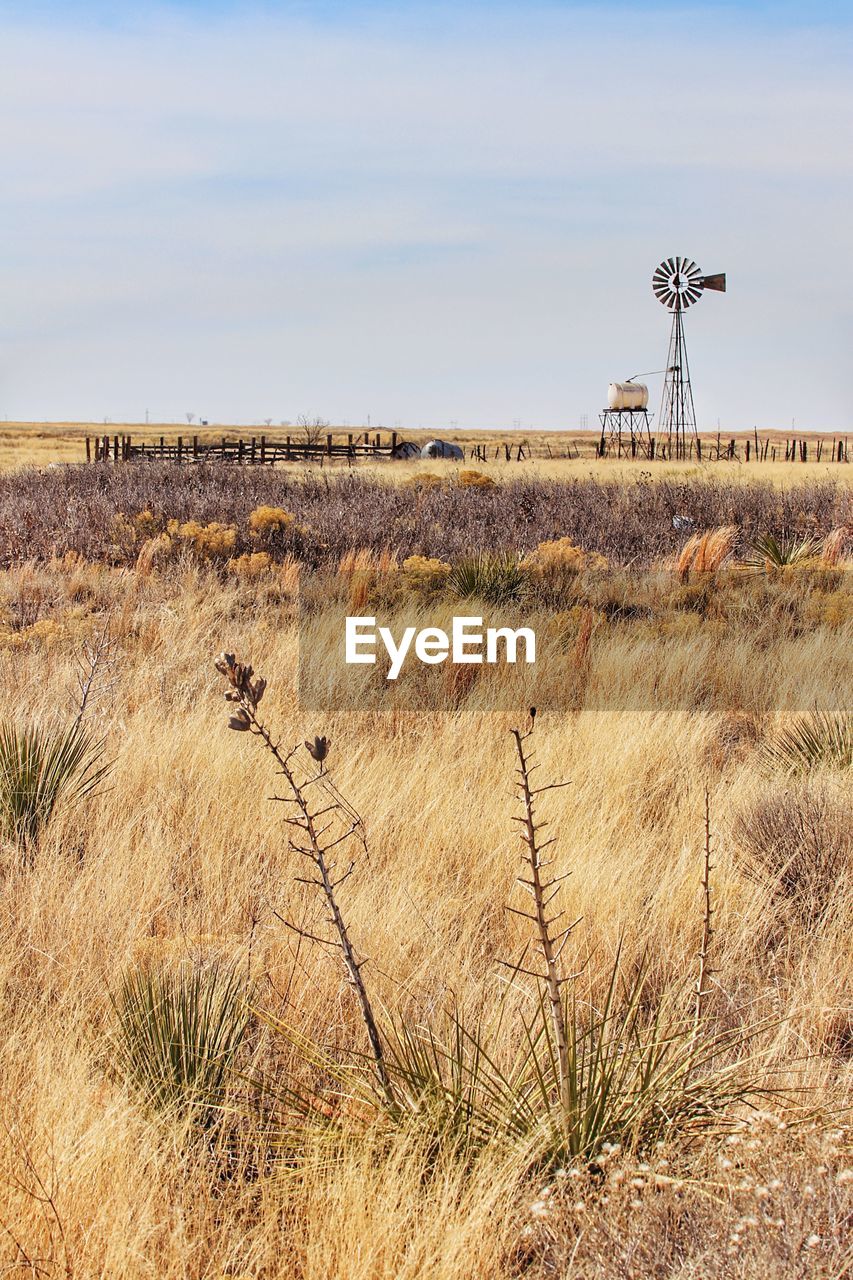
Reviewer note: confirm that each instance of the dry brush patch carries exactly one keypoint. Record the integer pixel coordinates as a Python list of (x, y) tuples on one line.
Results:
[(102, 513)]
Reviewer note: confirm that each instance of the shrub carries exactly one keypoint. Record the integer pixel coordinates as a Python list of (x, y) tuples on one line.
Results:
[(553, 569), (425, 576), (40, 770), (470, 479), (637, 1073), (177, 1036), (423, 480), (266, 520), (251, 565), (209, 540), (816, 738), (769, 552), (563, 554), (493, 578), (797, 839)]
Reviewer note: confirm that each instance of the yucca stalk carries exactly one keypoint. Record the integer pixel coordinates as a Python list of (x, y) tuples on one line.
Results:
[(323, 832), (705, 970), (543, 890), (40, 770)]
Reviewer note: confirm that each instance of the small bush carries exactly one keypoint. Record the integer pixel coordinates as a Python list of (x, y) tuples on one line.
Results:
[(475, 480), (553, 570), (178, 1035), (769, 552), (425, 576), (266, 520), (208, 540), (797, 840), (817, 738), (496, 579), (251, 565), (41, 769), (423, 480)]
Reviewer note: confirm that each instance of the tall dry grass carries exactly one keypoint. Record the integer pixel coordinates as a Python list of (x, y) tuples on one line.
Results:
[(183, 858)]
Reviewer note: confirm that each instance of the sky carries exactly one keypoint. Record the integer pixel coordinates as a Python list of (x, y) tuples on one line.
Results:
[(422, 214)]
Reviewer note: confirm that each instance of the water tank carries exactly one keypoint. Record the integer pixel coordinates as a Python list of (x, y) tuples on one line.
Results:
[(627, 395)]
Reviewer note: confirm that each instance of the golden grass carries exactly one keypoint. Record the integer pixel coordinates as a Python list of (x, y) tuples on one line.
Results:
[(185, 856), (26, 444)]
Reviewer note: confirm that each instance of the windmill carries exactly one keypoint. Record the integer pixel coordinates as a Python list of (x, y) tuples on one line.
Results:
[(678, 283)]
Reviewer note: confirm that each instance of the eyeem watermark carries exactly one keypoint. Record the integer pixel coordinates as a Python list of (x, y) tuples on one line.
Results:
[(468, 642)]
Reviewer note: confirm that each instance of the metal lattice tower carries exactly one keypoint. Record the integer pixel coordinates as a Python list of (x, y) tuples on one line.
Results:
[(677, 284)]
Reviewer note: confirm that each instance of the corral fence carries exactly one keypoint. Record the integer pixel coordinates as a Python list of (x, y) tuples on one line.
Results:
[(256, 450), (261, 451)]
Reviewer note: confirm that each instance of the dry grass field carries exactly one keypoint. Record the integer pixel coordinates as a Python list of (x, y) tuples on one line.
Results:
[(670, 1139), (27, 444)]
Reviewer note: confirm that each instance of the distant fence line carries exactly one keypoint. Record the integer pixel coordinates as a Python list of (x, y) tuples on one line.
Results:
[(259, 451)]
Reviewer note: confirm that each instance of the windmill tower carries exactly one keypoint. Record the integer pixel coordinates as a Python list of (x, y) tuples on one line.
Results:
[(678, 283)]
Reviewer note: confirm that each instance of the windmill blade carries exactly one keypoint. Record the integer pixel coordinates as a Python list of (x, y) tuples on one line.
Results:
[(717, 282)]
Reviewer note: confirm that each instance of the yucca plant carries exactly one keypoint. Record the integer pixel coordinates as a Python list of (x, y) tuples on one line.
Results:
[(40, 770), (177, 1037), (583, 1069), (635, 1074), (496, 579), (813, 739), (769, 552)]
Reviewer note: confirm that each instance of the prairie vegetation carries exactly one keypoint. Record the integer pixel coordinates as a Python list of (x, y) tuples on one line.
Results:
[(108, 513), (191, 1086)]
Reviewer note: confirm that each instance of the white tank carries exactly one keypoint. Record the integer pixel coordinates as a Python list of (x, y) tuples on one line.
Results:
[(627, 395)]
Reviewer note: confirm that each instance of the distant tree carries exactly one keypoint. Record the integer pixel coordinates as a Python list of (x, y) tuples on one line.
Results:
[(312, 429)]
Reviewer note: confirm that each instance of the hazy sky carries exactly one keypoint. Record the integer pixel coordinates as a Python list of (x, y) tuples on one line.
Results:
[(421, 212)]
